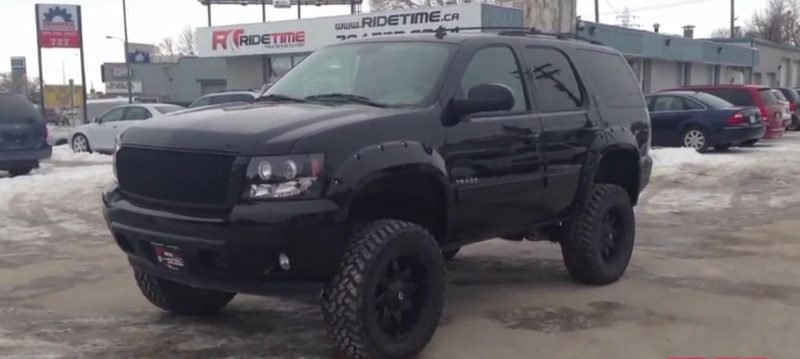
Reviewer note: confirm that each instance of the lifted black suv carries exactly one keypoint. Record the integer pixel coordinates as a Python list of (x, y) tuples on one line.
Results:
[(370, 163)]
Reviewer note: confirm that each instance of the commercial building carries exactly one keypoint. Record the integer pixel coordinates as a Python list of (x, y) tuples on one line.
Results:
[(179, 82), (778, 65), (255, 54), (663, 61)]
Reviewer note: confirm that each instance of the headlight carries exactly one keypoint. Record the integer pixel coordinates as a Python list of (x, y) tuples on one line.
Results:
[(296, 176)]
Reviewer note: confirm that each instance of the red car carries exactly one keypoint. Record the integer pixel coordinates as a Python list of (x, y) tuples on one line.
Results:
[(762, 97)]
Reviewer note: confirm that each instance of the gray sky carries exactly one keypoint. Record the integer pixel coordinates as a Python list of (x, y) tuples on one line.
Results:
[(149, 21)]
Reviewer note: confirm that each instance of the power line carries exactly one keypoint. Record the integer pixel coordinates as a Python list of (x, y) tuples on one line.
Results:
[(656, 7), (612, 8)]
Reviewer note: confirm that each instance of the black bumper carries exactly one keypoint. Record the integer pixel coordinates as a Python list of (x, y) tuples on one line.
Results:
[(737, 135), (237, 251), (23, 158)]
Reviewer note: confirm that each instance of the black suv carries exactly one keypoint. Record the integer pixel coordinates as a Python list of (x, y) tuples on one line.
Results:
[(373, 161), (23, 135)]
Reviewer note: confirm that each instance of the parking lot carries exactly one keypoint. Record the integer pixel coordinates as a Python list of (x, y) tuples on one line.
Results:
[(714, 273)]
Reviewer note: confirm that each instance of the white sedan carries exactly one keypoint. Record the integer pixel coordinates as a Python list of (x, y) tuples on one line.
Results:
[(101, 134)]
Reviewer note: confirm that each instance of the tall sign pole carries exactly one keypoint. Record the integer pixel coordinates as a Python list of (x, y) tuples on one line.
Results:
[(39, 57), (733, 20), (83, 69), (127, 54), (597, 11)]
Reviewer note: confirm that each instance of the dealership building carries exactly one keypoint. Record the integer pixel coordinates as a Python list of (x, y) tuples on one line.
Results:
[(260, 53)]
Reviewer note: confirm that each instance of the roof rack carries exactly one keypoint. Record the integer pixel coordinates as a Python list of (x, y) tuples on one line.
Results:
[(442, 31)]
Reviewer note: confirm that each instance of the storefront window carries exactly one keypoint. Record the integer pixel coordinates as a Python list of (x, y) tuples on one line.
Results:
[(389, 73), (279, 66)]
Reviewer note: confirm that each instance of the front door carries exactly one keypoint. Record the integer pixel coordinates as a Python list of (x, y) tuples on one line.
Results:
[(568, 127), (493, 157), (101, 134)]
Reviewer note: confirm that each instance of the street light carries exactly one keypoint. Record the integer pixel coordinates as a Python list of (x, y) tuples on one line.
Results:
[(127, 65)]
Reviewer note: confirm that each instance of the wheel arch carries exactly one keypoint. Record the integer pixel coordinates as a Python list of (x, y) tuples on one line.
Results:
[(617, 164)]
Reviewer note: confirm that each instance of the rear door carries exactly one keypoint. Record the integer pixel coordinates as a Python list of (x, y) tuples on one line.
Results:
[(568, 129), (133, 115), (21, 126)]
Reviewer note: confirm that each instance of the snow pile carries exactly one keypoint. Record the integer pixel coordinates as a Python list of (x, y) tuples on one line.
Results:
[(65, 154)]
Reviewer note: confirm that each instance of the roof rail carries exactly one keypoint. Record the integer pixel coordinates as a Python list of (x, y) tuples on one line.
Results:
[(442, 31)]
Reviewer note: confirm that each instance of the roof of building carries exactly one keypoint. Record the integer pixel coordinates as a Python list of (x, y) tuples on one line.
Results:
[(754, 42)]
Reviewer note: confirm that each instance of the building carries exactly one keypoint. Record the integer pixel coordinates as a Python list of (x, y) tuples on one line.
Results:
[(663, 61), (179, 82), (255, 54), (778, 65)]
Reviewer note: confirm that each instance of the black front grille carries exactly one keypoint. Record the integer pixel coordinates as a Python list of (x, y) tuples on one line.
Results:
[(191, 178)]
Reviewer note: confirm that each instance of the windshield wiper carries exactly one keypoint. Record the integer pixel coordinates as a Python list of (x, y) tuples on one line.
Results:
[(277, 97), (344, 97)]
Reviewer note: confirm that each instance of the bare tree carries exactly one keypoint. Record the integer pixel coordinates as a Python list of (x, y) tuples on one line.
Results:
[(778, 22), (379, 5), (167, 47), (720, 33), (187, 41)]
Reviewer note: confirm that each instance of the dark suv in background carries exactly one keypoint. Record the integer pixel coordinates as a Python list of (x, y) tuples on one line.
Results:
[(23, 135), (373, 161), (794, 100)]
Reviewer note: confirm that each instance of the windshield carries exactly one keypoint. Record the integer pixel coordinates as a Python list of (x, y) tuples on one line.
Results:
[(394, 74), (712, 101)]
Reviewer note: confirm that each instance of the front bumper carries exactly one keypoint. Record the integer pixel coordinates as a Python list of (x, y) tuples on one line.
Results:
[(739, 134), (23, 158), (237, 251)]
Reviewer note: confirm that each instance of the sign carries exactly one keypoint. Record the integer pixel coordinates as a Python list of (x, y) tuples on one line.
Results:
[(119, 72), (121, 87), (18, 64), (297, 36), (282, 4), (58, 96), (141, 53), (58, 25)]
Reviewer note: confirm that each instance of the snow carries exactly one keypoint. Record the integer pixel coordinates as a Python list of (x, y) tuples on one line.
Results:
[(64, 153)]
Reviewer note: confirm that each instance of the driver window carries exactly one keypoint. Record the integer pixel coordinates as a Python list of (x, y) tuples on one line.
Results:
[(494, 65), (113, 115)]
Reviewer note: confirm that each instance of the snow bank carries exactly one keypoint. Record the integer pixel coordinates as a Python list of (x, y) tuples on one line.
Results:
[(64, 154)]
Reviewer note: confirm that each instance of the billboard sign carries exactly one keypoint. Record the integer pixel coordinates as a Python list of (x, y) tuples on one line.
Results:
[(121, 87), (295, 36), (18, 64), (58, 25), (141, 53), (58, 96)]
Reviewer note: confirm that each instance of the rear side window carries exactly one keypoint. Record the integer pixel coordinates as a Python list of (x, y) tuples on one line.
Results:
[(712, 101), (767, 97), (738, 97), (555, 83), (790, 94), (17, 109), (136, 113), (612, 78), (673, 103)]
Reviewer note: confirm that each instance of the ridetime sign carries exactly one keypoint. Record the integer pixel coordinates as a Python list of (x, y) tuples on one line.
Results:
[(58, 25)]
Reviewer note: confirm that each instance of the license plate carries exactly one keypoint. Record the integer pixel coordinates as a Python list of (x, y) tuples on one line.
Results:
[(753, 119), (169, 256)]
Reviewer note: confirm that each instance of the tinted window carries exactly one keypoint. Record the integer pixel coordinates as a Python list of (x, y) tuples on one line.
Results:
[(790, 94), (767, 97), (738, 97), (712, 101), (672, 103), (612, 78), (17, 109), (494, 65), (168, 108), (219, 99), (113, 115), (203, 101), (555, 82), (136, 113)]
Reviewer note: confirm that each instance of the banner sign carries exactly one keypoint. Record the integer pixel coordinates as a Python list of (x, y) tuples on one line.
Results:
[(121, 87), (295, 36), (58, 25)]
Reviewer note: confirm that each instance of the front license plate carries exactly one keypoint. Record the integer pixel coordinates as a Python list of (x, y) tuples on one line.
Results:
[(169, 256)]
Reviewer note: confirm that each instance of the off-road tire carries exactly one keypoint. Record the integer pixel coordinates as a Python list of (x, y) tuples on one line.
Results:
[(582, 244), (347, 303), (20, 171), (449, 255), (180, 299)]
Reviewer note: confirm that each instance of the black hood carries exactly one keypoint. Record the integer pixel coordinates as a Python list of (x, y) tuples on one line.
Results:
[(247, 129)]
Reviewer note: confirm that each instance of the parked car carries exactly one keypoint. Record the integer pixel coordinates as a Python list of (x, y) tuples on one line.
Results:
[(750, 96), (224, 97), (364, 182), (23, 135), (101, 134), (787, 112), (794, 100), (701, 121)]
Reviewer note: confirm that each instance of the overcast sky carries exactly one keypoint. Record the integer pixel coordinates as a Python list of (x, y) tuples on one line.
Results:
[(149, 21)]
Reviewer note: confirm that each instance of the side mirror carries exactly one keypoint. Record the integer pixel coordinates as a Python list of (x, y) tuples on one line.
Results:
[(483, 98), (96, 120)]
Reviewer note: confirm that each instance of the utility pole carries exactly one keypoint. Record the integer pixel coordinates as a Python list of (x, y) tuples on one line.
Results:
[(127, 60), (208, 4), (597, 11), (298, 9), (733, 19), (263, 10)]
